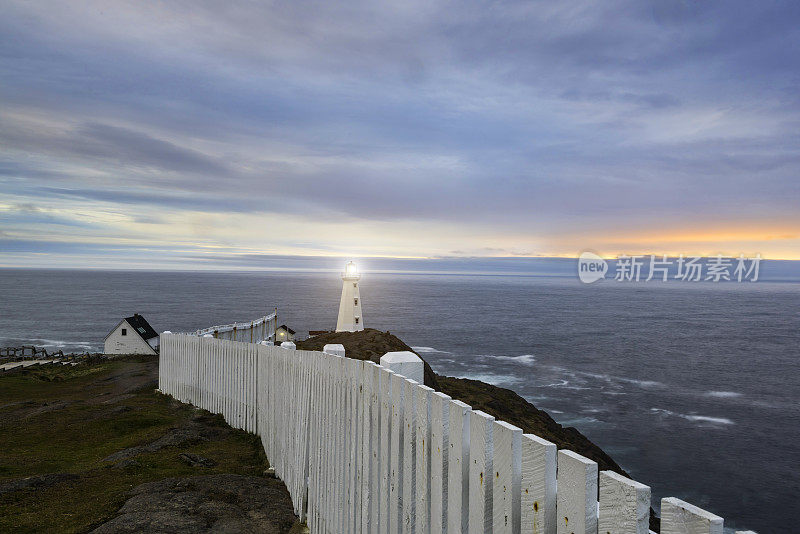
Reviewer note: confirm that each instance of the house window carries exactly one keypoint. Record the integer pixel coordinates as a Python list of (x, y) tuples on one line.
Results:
[(357, 318), (355, 301), (124, 331)]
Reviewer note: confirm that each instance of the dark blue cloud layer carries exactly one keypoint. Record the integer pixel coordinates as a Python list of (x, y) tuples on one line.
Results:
[(550, 117)]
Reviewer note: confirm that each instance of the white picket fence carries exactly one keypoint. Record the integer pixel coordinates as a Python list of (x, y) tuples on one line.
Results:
[(260, 329), (362, 449)]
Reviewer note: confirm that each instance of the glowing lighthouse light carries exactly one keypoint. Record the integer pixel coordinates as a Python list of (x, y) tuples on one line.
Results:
[(350, 319)]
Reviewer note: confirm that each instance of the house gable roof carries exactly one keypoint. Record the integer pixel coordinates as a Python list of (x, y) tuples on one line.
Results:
[(287, 329), (141, 326)]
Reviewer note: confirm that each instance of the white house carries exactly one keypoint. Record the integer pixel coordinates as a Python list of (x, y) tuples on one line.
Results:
[(132, 335), (284, 333)]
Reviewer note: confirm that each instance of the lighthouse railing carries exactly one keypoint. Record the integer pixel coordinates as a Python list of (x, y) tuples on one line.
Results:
[(362, 448)]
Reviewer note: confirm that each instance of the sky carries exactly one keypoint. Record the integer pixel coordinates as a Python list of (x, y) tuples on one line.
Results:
[(212, 135)]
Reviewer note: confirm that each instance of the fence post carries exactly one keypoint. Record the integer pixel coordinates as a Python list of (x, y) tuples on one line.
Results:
[(440, 427), (577, 494), (368, 447), (624, 505), (507, 465), (356, 420), (341, 478), (538, 485), (409, 457), (396, 457), (376, 448), (422, 402), (680, 517), (480, 470), (458, 465)]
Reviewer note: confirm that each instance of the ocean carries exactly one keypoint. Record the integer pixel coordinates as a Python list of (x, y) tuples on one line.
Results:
[(692, 388)]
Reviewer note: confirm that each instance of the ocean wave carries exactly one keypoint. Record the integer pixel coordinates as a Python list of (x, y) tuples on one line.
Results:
[(491, 378), (723, 394), (560, 384), (643, 383), (525, 359), (564, 384), (429, 350), (634, 381), (695, 418)]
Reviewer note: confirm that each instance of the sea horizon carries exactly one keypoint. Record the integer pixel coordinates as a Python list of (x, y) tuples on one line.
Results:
[(772, 270)]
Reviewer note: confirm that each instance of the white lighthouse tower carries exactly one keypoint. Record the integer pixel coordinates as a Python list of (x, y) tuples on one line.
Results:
[(350, 319)]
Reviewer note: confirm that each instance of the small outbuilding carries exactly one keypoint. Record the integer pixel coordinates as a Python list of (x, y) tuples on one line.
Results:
[(284, 333), (132, 335)]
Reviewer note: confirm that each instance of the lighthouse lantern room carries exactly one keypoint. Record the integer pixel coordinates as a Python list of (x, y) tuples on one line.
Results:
[(350, 319)]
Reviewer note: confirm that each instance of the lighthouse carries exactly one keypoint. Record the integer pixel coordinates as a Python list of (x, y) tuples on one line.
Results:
[(350, 319)]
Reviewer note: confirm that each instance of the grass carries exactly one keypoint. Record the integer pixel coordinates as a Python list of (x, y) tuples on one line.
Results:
[(68, 419)]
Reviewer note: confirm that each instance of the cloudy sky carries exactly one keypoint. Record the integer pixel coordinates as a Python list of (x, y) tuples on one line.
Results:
[(190, 134)]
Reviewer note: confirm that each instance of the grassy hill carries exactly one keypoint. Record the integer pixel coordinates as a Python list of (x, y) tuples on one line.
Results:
[(96, 447)]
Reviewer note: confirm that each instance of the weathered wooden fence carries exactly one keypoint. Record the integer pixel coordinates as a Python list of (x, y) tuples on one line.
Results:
[(363, 449), (28, 351), (260, 329)]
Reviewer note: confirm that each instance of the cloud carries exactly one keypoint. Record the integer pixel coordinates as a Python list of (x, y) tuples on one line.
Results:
[(526, 123)]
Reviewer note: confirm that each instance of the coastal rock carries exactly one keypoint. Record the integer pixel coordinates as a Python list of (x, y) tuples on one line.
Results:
[(37, 482), (368, 344), (205, 504), (176, 437), (195, 460)]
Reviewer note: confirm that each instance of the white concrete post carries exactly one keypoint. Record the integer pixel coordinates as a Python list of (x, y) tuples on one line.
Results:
[(481, 453), (507, 465), (624, 505), (538, 485), (405, 363), (679, 517), (332, 348), (577, 494), (440, 426)]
